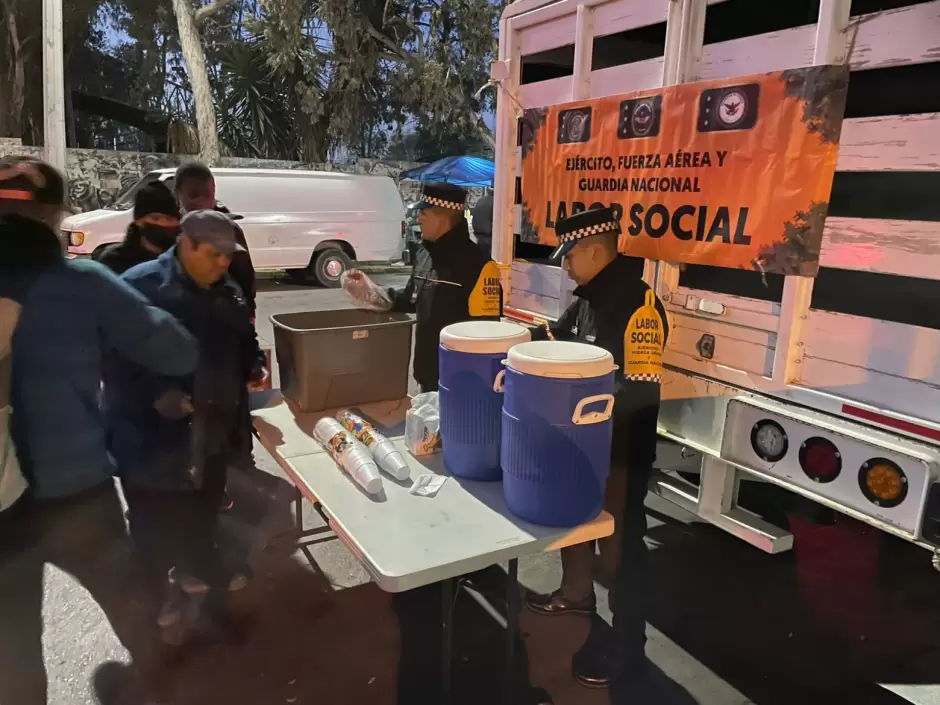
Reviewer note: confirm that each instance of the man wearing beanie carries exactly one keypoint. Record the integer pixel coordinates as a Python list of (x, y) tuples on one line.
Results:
[(154, 230)]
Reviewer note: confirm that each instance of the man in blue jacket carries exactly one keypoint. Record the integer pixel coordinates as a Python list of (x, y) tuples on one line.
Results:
[(175, 436), (71, 313)]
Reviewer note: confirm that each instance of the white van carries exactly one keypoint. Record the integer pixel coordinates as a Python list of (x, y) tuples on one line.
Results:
[(305, 222)]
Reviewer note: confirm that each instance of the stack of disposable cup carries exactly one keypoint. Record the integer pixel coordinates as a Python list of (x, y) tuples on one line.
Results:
[(352, 456), (388, 457)]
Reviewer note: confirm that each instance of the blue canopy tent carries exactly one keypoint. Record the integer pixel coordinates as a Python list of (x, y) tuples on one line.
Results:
[(459, 171)]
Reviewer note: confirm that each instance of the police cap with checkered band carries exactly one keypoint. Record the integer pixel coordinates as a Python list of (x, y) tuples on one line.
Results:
[(570, 231), (445, 196)]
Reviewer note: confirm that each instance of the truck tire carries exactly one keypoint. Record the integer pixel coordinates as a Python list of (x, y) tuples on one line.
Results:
[(328, 266)]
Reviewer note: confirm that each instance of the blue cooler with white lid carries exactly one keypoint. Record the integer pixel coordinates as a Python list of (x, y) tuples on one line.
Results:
[(470, 394), (557, 431)]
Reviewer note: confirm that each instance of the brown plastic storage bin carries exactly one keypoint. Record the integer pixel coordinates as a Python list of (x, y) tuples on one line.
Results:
[(330, 359)]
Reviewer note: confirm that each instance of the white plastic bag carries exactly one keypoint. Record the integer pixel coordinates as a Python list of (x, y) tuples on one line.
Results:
[(425, 399), (423, 425), (364, 292)]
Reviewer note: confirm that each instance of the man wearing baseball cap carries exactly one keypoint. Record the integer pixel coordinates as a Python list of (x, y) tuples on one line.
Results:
[(617, 311), (174, 437), (70, 315)]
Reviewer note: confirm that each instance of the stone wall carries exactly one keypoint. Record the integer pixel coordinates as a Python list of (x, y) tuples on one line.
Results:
[(97, 177)]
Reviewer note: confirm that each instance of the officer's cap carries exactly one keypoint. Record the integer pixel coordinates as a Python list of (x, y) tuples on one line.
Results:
[(444, 196), (595, 221)]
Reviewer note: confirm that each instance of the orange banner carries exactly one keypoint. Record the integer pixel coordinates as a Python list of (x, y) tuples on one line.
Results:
[(731, 173)]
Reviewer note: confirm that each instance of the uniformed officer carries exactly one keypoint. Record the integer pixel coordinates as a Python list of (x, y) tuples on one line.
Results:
[(452, 279), (617, 311)]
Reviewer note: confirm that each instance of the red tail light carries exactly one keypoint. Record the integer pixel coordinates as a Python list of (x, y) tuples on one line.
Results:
[(404, 228), (820, 460)]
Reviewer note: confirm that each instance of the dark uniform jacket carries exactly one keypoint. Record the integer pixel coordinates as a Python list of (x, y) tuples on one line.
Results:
[(153, 451), (242, 270), (121, 256), (445, 273), (600, 317)]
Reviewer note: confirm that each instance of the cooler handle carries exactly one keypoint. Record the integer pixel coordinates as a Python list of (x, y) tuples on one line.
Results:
[(595, 416), (498, 382)]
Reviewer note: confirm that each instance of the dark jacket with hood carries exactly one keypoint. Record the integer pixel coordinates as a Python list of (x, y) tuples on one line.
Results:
[(126, 254), (444, 275), (162, 453), (73, 312)]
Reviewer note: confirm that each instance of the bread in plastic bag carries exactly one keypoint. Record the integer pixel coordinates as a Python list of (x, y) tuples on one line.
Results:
[(366, 294), (423, 425)]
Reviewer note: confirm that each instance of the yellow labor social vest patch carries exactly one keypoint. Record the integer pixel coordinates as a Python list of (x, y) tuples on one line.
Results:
[(486, 295), (643, 343)]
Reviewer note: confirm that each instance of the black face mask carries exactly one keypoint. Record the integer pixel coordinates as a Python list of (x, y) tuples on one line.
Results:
[(161, 238)]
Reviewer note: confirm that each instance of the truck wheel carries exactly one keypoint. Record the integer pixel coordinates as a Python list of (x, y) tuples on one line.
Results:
[(329, 265)]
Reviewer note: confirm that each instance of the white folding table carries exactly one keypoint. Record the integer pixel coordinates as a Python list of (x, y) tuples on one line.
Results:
[(406, 541)]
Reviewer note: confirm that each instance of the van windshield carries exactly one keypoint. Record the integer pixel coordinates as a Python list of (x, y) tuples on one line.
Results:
[(125, 201)]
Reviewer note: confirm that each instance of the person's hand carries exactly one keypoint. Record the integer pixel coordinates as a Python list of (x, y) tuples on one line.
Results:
[(259, 380), (174, 405)]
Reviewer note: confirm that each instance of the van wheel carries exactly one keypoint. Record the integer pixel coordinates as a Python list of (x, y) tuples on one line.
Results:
[(329, 265)]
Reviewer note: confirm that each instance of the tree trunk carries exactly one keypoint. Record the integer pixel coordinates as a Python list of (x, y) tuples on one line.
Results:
[(19, 74), (194, 56)]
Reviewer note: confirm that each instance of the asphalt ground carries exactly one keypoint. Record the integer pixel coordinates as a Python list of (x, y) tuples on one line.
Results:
[(728, 624)]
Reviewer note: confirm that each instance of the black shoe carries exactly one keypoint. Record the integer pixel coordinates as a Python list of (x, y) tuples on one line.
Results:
[(118, 684), (602, 661), (557, 603)]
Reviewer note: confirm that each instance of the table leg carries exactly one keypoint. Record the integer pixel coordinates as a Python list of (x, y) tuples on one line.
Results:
[(299, 511), (447, 636), (512, 629)]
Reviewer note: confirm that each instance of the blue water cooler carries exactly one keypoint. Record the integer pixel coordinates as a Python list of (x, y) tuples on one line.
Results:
[(471, 398), (557, 431)]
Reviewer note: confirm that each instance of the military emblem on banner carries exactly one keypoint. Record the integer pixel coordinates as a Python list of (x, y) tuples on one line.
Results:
[(640, 117), (731, 108), (574, 126), (643, 344)]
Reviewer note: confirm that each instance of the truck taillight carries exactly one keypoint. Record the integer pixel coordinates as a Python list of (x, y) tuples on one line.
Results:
[(820, 459), (882, 482), (404, 228), (769, 441)]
